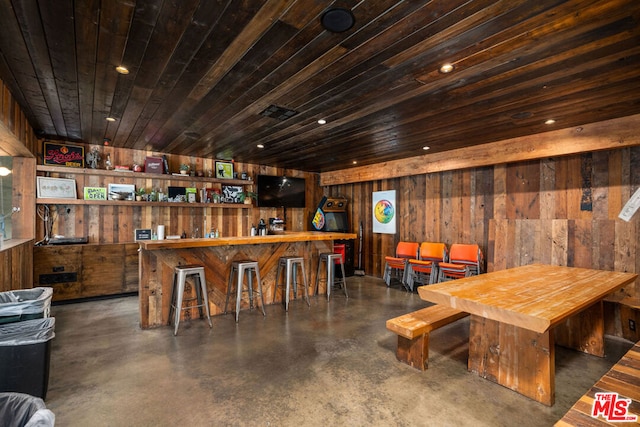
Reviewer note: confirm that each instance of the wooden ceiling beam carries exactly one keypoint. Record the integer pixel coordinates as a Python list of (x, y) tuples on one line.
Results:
[(606, 135)]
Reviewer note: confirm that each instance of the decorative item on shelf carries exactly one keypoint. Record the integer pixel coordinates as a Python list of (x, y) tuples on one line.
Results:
[(63, 155), (190, 194), (95, 193), (212, 195), (231, 193), (154, 165), (184, 169), (121, 192), (137, 168), (246, 196), (56, 188), (108, 165), (224, 170), (93, 158), (200, 174), (140, 194)]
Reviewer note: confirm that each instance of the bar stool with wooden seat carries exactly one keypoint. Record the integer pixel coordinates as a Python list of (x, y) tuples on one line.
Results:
[(290, 265), (250, 268), (177, 295), (331, 259)]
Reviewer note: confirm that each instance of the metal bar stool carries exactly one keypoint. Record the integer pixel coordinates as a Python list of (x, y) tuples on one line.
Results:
[(177, 295), (330, 259), (242, 267), (290, 265)]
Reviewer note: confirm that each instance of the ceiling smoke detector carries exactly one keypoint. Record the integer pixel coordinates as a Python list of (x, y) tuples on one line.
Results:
[(279, 113), (337, 20)]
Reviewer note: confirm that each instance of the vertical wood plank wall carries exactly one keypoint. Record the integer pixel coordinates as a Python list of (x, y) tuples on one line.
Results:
[(561, 211), (16, 262)]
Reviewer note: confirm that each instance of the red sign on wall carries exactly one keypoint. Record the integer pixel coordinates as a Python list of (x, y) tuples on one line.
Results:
[(63, 155)]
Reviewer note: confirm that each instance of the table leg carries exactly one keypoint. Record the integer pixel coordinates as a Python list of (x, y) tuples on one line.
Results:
[(583, 331), (517, 358)]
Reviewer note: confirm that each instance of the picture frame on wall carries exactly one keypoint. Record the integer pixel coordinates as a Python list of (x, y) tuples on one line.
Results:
[(231, 193), (384, 212), (56, 188), (224, 170)]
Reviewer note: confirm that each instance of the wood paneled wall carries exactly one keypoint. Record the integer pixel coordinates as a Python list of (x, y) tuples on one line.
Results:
[(17, 139), (116, 224), (560, 210)]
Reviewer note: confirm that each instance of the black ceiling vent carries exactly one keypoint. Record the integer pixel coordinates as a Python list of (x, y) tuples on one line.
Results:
[(337, 20), (280, 113)]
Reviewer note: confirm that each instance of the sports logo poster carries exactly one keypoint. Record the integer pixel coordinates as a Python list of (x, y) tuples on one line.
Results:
[(384, 212)]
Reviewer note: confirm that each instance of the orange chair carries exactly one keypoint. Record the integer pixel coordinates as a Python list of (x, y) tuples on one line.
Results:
[(425, 269), (404, 252), (464, 261)]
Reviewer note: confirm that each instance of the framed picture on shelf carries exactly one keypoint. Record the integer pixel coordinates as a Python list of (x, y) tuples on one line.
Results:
[(56, 188), (231, 193), (154, 164), (224, 170), (121, 192), (95, 193)]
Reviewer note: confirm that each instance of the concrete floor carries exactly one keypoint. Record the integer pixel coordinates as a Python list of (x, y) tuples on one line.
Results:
[(332, 364)]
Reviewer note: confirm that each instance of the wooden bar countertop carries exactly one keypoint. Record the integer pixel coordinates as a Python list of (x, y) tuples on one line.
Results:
[(294, 236)]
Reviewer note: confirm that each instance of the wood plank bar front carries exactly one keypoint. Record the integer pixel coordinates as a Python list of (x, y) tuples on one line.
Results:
[(158, 258), (516, 314)]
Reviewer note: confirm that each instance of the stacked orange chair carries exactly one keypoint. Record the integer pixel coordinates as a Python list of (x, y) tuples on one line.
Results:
[(464, 261), (404, 252), (424, 270)]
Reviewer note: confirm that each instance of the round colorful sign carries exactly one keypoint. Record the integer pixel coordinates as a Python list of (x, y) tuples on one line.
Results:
[(384, 211)]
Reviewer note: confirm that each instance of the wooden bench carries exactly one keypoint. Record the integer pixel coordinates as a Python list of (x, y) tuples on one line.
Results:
[(623, 378), (413, 332)]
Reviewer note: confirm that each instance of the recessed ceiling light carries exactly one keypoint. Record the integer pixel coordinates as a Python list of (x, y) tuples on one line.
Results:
[(355, 162), (446, 68), (260, 146), (426, 147), (549, 122), (322, 122), (122, 70), (110, 119)]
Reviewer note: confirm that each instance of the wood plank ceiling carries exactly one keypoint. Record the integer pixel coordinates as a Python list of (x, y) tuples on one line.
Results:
[(202, 71)]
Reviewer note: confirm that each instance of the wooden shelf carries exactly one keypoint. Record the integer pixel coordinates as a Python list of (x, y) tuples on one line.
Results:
[(139, 175), (48, 201)]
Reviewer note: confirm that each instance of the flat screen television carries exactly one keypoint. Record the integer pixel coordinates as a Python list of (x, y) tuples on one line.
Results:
[(280, 191)]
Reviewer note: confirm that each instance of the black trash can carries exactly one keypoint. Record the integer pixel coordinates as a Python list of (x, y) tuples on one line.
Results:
[(25, 353), (25, 304), (23, 410)]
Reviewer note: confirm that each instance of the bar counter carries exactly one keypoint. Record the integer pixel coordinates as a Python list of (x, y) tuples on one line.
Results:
[(158, 258)]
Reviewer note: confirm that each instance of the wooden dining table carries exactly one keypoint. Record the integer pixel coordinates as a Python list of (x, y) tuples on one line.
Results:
[(519, 314)]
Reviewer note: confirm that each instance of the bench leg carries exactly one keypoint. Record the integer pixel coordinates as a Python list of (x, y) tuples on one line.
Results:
[(414, 352)]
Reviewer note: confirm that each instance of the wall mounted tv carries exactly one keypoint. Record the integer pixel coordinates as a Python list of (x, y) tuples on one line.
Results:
[(280, 191)]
